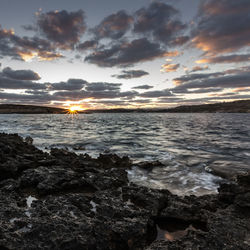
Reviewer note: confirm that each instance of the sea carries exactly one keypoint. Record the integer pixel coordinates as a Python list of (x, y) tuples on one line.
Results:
[(187, 144)]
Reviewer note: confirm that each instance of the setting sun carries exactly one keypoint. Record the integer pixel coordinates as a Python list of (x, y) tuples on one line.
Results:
[(75, 109)]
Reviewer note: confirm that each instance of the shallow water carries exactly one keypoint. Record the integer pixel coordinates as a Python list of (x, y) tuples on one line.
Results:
[(187, 144)]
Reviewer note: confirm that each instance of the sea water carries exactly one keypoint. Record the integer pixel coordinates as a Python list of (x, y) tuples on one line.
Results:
[(187, 144)]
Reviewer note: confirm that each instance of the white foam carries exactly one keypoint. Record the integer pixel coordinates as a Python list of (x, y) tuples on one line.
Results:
[(94, 205), (73, 214), (13, 220), (178, 179), (25, 229), (29, 201)]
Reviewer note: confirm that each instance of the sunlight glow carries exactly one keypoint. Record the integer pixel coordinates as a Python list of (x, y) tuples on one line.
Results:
[(27, 56), (75, 109)]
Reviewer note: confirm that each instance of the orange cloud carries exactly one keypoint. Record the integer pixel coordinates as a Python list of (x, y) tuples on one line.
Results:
[(172, 53), (48, 56), (27, 55), (169, 67)]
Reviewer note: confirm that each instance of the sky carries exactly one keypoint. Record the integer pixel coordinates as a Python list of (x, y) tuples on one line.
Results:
[(124, 54)]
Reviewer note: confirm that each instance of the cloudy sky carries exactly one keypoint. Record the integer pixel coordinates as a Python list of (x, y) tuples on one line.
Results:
[(130, 54)]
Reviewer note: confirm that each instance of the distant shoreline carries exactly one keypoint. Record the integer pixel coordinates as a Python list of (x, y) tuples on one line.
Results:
[(241, 106)]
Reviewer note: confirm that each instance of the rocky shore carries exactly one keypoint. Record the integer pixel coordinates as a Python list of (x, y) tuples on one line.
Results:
[(65, 201)]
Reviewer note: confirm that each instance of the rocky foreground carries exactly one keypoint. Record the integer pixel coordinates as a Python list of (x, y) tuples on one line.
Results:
[(64, 201)]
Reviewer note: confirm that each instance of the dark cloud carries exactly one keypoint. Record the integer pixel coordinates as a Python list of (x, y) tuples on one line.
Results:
[(223, 26), (205, 90), (198, 68), (127, 53), (169, 100), (83, 94), (192, 77), (87, 45), (9, 83), (6, 45), (37, 92), (24, 98), (224, 94), (225, 6), (154, 28), (156, 93), (19, 79), (29, 47), (23, 48), (20, 74), (161, 21), (196, 91), (128, 94), (113, 26), (229, 97), (123, 102), (143, 87), (62, 27), (29, 27), (141, 101), (111, 103), (129, 74), (222, 80), (236, 58), (178, 41), (96, 90), (71, 84), (103, 86)]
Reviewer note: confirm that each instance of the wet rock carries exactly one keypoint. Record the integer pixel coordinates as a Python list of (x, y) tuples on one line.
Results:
[(227, 170), (66, 201), (78, 147), (28, 140), (149, 165)]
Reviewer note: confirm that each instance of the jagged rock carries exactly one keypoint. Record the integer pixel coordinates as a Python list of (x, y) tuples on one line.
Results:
[(66, 201)]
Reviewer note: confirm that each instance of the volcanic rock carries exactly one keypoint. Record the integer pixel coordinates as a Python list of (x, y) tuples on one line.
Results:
[(63, 201)]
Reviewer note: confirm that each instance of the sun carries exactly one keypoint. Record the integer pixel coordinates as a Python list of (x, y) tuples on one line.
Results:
[(75, 109)]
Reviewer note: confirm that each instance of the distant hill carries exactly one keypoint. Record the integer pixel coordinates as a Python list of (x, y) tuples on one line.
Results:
[(29, 109), (242, 106)]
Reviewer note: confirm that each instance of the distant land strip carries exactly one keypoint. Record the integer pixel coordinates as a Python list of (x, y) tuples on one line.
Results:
[(242, 106)]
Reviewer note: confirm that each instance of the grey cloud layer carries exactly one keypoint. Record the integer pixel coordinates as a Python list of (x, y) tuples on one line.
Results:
[(156, 93), (129, 74), (71, 84), (20, 74), (143, 87), (154, 29), (222, 80), (19, 79)]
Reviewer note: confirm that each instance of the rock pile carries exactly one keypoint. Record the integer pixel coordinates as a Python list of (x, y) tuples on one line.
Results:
[(65, 201)]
